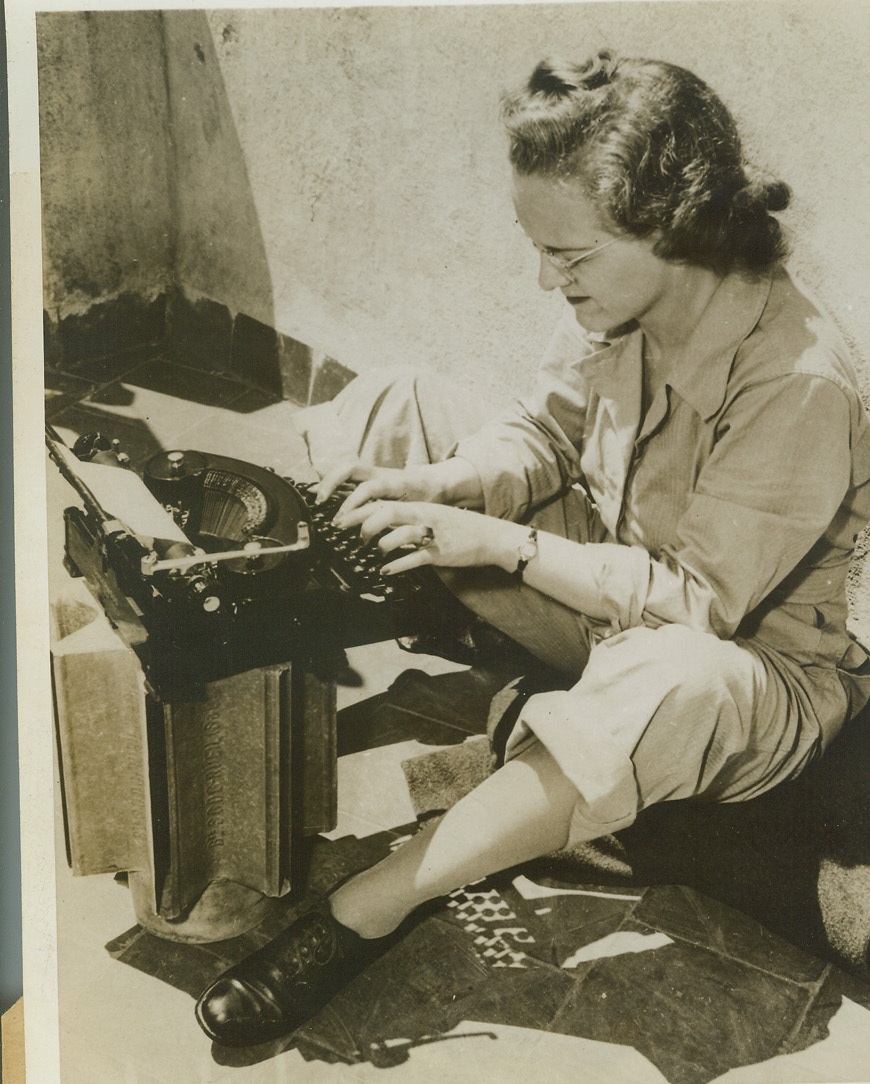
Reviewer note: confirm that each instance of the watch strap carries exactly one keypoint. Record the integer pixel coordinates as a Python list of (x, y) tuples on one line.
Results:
[(526, 552)]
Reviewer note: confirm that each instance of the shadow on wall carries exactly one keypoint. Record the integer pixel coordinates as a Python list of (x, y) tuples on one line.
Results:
[(129, 101), (218, 250)]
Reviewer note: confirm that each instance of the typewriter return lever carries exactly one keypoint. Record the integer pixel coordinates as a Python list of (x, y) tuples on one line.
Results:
[(251, 550)]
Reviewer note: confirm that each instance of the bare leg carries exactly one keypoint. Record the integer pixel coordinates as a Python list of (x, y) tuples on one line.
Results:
[(520, 812)]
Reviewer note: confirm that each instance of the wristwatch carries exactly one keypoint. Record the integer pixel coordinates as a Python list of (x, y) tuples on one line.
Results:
[(526, 552)]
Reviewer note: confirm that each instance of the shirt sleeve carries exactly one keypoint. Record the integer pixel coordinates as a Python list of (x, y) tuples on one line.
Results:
[(532, 452), (778, 473)]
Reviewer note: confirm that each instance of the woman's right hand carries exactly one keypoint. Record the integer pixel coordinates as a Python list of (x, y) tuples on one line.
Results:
[(453, 481)]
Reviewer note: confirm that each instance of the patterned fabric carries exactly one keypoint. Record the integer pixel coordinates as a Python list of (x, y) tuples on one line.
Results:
[(497, 933)]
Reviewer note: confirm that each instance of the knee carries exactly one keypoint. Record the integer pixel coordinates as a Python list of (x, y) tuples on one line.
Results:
[(394, 385), (398, 388)]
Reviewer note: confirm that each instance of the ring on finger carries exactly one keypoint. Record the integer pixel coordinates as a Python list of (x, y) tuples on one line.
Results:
[(427, 537)]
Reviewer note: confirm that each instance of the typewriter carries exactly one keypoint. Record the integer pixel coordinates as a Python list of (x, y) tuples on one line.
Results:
[(195, 704), (248, 571)]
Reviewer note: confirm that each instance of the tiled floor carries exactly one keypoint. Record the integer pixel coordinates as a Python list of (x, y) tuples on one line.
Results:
[(521, 976)]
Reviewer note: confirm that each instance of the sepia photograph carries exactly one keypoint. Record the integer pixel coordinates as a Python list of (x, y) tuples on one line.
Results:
[(442, 473)]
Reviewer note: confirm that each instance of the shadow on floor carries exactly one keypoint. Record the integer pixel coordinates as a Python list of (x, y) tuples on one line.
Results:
[(703, 989)]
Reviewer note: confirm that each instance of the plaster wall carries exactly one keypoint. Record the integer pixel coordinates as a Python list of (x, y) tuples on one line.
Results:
[(341, 175), (105, 159)]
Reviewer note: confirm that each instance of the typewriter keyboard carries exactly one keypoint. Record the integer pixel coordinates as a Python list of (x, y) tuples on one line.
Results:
[(354, 563)]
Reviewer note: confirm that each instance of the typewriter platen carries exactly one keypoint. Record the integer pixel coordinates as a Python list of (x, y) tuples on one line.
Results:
[(247, 572)]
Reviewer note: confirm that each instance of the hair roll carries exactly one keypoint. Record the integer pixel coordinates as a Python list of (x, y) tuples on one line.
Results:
[(656, 151)]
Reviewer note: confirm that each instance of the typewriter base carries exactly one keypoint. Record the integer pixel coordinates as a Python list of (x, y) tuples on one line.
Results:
[(204, 802), (226, 909)]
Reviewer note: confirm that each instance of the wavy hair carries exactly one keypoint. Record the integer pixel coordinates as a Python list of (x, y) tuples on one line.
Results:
[(655, 150)]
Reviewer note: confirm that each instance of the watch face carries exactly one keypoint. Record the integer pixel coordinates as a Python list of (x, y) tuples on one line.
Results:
[(529, 548)]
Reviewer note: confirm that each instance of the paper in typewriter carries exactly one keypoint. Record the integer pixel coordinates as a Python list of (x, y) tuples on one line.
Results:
[(124, 495)]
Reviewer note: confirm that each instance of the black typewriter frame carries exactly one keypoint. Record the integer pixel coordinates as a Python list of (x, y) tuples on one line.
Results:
[(300, 611)]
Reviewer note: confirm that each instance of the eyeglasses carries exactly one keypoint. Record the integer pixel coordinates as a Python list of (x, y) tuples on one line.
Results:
[(567, 266)]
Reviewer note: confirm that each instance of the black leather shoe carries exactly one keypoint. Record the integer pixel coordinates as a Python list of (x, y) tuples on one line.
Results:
[(285, 983)]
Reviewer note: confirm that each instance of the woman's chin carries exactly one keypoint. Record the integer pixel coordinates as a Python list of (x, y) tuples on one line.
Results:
[(588, 315)]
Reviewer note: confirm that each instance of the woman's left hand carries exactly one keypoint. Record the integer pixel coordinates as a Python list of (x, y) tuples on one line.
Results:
[(418, 533)]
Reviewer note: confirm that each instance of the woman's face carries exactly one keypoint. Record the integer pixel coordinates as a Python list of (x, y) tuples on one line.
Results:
[(624, 281)]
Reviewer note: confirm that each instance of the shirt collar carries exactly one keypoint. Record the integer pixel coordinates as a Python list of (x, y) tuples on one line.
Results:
[(701, 368)]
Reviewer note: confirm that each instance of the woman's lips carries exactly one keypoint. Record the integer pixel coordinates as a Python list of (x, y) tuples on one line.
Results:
[(577, 300)]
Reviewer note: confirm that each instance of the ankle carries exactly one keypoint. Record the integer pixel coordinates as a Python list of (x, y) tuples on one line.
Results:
[(363, 911)]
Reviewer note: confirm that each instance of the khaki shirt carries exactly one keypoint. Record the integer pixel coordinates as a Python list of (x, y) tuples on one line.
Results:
[(733, 506)]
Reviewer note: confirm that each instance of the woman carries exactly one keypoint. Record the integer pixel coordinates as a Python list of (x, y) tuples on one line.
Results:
[(697, 601)]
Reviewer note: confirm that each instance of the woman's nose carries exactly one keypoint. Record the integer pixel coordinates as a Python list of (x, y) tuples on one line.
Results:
[(549, 276)]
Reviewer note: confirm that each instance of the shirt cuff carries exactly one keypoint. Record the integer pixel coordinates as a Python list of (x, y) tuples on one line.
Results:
[(622, 577)]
